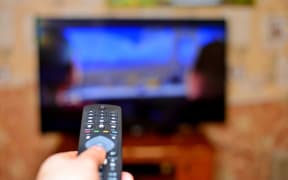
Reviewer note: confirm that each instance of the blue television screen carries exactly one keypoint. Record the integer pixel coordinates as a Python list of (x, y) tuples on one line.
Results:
[(120, 61), (86, 61)]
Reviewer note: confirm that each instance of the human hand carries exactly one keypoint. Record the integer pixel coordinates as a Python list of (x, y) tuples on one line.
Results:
[(69, 165)]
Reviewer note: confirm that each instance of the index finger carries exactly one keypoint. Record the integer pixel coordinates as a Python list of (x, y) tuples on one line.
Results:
[(66, 155), (94, 153), (127, 176)]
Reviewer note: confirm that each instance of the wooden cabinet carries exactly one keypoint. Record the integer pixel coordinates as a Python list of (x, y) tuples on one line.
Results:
[(191, 155)]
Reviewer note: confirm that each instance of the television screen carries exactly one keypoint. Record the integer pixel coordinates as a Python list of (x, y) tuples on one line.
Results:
[(161, 72)]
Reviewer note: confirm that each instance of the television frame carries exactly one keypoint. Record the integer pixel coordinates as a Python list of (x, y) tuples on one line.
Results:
[(47, 115)]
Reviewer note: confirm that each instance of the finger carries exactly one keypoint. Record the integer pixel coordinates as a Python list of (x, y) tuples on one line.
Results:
[(94, 153), (127, 176), (66, 155), (69, 154)]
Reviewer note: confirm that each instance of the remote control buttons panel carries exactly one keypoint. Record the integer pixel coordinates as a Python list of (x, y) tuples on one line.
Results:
[(101, 126), (101, 122)]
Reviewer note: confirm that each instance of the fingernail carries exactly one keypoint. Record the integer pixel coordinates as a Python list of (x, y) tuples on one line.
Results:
[(98, 148)]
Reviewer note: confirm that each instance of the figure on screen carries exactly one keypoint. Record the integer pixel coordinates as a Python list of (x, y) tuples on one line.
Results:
[(206, 79), (205, 89), (56, 68)]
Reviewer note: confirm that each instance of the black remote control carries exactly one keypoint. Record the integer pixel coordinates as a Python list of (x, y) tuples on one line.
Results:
[(102, 126)]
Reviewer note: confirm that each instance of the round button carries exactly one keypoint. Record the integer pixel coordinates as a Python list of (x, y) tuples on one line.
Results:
[(102, 141), (112, 164), (112, 153), (100, 144)]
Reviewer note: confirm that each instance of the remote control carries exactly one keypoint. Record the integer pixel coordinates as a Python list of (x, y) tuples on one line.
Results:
[(102, 126)]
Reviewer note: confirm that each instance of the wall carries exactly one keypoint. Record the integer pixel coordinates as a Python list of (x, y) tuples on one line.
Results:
[(257, 121)]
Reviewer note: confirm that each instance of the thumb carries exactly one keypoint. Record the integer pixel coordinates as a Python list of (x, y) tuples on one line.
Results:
[(94, 153)]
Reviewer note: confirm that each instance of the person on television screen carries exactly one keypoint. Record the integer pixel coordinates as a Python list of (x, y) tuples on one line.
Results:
[(205, 90), (57, 71), (206, 79)]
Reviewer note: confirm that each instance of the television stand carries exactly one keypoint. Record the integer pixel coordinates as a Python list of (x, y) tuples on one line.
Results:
[(191, 155)]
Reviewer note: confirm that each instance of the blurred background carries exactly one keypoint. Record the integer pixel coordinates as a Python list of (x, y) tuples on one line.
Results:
[(247, 141)]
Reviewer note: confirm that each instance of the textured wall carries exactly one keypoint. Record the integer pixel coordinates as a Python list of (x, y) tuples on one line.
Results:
[(21, 146), (252, 136), (257, 123)]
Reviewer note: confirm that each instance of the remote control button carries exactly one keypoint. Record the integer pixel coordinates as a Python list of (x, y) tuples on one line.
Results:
[(113, 159), (112, 164), (88, 137), (113, 137), (113, 118), (87, 131), (113, 153), (90, 117), (114, 132), (112, 178), (96, 131), (113, 121), (113, 126), (102, 141), (102, 107), (89, 126), (106, 131), (112, 174), (90, 121), (112, 169), (101, 121), (101, 126)]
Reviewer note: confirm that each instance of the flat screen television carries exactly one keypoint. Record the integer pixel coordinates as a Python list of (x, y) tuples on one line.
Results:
[(163, 72)]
